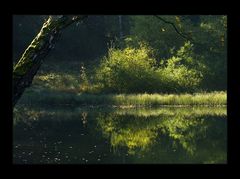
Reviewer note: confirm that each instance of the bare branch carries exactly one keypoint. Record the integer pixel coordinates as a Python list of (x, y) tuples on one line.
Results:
[(175, 28)]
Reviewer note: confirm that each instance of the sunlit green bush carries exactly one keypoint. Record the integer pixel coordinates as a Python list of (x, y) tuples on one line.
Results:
[(127, 70), (178, 78), (134, 70)]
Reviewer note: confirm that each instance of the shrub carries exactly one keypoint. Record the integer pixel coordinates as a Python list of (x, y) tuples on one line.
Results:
[(183, 72), (127, 70), (134, 70), (178, 78)]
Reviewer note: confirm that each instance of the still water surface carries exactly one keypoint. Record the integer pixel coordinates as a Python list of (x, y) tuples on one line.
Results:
[(119, 136)]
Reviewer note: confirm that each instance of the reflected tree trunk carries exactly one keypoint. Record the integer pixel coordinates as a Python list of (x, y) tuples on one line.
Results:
[(31, 60)]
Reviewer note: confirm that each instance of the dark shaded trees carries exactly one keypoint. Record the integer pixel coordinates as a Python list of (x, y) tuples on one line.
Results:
[(32, 58), (90, 40)]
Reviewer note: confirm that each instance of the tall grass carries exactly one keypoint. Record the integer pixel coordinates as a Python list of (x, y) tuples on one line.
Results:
[(174, 111), (213, 98), (127, 100)]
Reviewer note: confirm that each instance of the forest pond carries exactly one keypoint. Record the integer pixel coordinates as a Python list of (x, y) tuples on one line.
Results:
[(67, 135)]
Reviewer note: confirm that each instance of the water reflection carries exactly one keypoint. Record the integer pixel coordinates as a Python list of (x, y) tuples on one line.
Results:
[(83, 135)]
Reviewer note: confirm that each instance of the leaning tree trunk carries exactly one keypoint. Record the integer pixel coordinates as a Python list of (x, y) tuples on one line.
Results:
[(32, 58)]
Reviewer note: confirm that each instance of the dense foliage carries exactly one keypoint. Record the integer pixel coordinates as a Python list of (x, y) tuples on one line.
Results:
[(208, 34), (130, 54), (121, 89), (127, 70), (134, 70)]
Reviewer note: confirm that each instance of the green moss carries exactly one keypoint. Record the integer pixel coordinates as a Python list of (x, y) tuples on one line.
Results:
[(25, 63), (49, 27)]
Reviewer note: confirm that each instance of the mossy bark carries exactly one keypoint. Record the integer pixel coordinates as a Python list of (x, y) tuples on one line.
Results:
[(28, 65)]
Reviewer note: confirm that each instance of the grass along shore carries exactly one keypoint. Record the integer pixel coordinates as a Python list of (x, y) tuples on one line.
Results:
[(123, 100)]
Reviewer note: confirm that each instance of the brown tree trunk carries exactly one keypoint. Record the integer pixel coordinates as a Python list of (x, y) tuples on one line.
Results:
[(32, 58)]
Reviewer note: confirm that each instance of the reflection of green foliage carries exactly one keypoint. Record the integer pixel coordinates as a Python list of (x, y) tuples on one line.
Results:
[(185, 129), (178, 129), (195, 133), (133, 139), (131, 135)]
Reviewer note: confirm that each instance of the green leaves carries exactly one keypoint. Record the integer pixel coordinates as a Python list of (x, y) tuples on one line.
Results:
[(133, 70), (127, 70)]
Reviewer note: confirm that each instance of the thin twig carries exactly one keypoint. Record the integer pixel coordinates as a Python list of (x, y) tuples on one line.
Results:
[(175, 28)]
